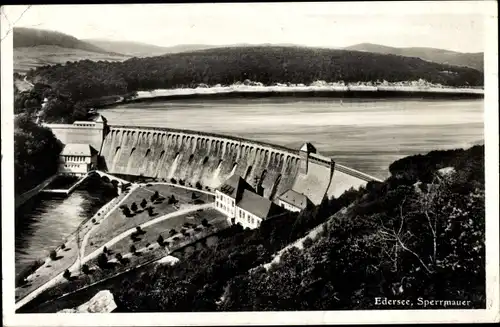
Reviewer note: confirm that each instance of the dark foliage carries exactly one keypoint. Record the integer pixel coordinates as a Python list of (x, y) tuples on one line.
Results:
[(67, 274), (85, 269), (36, 153), (364, 251), (172, 199), (102, 261), (133, 207), (53, 255)]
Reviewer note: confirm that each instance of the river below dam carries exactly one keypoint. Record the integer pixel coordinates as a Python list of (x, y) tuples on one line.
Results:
[(365, 134), (44, 221)]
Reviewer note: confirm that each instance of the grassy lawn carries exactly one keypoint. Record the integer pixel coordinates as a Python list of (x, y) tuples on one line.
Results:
[(180, 194), (117, 223), (163, 228)]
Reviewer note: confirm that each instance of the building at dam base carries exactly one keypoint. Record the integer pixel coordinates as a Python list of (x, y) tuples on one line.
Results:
[(242, 205), (192, 157)]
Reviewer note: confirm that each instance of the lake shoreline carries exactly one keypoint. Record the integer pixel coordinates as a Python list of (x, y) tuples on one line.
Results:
[(214, 93)]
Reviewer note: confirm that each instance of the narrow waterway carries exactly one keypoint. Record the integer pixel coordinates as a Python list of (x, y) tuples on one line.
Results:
[(43, 222)]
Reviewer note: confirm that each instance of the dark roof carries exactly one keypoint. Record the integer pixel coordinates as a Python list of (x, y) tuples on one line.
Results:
[(308, 147), (234, 187), (294, 198), (257, 205)]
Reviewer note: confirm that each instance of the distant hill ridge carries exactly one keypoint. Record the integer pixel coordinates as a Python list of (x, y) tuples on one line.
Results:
[(31, 37), (268, 65), (472, 60)]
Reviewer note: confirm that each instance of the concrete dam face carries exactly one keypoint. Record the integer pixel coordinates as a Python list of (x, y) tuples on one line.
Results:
[(210, 159)]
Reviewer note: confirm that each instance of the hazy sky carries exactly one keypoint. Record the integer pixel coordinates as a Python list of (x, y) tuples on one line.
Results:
[(448, 25)]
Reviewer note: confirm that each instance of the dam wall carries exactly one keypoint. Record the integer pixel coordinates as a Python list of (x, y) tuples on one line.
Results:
[(198, 157), (210, 159)]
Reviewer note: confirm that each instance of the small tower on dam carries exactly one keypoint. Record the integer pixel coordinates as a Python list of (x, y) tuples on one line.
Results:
[(304, 153)]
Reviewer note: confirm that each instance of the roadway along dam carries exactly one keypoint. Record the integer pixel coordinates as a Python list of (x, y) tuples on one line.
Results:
[(210, 159)]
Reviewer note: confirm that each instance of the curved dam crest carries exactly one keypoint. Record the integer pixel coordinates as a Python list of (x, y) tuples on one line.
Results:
[(210, 159)]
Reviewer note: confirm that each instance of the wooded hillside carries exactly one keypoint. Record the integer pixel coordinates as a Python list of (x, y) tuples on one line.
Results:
[(225, 66)]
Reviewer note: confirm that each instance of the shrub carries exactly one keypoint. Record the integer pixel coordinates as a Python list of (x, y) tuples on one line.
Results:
[(118, 257), (63, 246), (193, 196), (133, 249), (85, 269), (67, 274), (199, 186), (53, 255), (172, 200), (181, 182), (204, 222), (172, 232), (134, 207), (144, 203), (93, 221), (139, 230), (102, 260), (126, 211), (173, 181), (160, 240), (105, 250)]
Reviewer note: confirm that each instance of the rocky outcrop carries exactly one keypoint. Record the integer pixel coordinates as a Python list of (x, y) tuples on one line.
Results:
[(102, 302)]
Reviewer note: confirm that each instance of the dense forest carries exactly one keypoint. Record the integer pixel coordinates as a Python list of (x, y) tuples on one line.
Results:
[(269, 65), (58, 108), (420, 233), (36, 155)]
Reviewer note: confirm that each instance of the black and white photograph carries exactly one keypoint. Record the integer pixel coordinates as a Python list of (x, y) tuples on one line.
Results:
[(250, 163)]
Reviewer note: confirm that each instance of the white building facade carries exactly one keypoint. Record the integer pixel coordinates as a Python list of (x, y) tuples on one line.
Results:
[(77, 159), (239, 202), (225, 203), (288, 206)]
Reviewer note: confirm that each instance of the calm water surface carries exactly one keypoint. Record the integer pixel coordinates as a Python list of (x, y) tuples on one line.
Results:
[(45, 221), (364, 134)]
